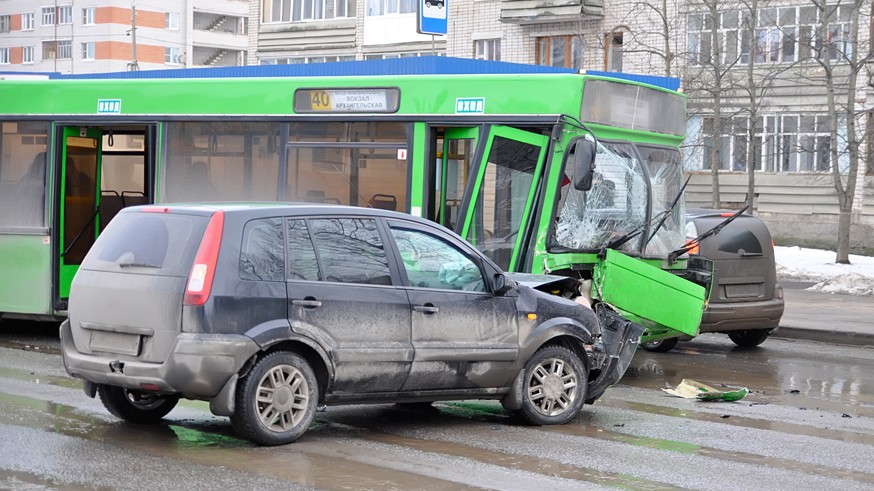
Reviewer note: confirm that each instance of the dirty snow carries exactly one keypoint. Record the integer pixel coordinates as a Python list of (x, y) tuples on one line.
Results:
[(802, 264)]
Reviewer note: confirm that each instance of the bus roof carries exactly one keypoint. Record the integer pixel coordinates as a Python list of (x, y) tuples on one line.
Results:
[(425, 65)]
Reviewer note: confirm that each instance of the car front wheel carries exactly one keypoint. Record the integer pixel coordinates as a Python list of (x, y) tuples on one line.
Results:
[(276, 401), (555, 386), (135, 406), (749, 339)]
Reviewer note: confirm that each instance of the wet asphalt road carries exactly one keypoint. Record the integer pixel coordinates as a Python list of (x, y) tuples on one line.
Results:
[(807, 424)]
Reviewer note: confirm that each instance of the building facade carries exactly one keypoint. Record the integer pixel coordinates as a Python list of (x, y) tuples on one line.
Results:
[(86, 36), (694, 40)]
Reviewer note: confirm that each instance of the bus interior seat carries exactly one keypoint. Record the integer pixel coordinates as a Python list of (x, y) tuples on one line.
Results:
[(132, 198), (384, 202), (110, 204), (314, 196)]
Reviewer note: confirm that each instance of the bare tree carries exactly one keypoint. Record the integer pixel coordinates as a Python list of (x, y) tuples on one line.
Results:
[(838, 53)]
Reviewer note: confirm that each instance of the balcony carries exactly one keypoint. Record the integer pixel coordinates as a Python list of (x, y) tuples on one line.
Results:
[(541, 11)]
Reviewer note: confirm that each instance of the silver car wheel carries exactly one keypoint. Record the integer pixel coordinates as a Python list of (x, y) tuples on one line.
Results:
[(552, 386), (282, 398)]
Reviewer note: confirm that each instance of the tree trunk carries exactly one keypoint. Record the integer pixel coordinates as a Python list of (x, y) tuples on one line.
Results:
[(844, 223)]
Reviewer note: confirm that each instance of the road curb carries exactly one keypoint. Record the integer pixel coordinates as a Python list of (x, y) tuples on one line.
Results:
[(826, 336)]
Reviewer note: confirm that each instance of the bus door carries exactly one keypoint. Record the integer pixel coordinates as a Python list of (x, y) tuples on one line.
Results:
[(502, 195), (78, 219), (459, 145)]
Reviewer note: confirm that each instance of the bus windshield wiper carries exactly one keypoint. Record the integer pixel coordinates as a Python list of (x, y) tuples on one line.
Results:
[(697, 240), (667, 212)]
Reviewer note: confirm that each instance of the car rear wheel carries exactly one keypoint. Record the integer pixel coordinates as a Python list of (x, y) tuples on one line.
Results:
[(554, 386), (661, 346), (749, 339), (276, 401), (135, 406)]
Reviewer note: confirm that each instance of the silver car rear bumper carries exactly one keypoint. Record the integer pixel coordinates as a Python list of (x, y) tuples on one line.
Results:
[(197, 367)]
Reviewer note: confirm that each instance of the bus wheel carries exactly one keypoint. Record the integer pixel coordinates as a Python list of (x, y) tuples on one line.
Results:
[(554, 387), (276, 401), (749, 339), (660, 346), (135, 406)]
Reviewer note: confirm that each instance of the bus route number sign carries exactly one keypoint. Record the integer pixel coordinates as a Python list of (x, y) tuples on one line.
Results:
[(370, 100)]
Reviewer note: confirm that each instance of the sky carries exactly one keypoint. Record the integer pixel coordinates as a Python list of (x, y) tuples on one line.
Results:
[(798, 263)]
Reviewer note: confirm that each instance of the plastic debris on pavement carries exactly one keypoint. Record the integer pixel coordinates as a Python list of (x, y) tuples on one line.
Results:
[(691, 389)]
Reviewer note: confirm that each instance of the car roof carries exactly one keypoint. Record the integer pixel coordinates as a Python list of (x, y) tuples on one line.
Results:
[(713, 212), (289, 208)]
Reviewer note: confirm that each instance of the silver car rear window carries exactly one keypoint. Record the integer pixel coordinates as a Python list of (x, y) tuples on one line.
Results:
[(161, 244)]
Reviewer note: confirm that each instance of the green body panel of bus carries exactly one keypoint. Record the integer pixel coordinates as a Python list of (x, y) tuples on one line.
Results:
[(426, 94), (25, 273)]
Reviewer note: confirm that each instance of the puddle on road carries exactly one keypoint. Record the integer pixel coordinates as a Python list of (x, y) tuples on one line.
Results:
[(28, 376), (22, 481)]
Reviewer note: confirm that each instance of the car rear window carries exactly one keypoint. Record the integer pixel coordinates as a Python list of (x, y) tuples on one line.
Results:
[(161, 244)]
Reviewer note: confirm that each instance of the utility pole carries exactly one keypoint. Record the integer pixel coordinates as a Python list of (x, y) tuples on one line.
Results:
[(133, 65)]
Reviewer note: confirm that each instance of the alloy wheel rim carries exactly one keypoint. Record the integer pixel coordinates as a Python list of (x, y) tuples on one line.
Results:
[(282, 398), (552, 387)]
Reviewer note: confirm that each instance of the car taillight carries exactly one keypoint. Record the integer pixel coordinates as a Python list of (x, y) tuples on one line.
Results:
[(693, 250), (203, 271)]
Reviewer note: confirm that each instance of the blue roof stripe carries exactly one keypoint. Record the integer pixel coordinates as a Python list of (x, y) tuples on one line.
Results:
[(425, 65)]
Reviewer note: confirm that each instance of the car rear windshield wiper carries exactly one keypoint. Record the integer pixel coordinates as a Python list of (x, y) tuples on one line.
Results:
[(133, 264), (697, 240)]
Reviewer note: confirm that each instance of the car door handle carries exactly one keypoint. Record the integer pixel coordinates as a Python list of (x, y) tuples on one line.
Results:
[(425, 309), (307, 303)]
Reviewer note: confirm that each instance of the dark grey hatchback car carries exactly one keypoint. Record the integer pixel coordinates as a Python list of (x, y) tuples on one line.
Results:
[(267, 311), (745, 301)]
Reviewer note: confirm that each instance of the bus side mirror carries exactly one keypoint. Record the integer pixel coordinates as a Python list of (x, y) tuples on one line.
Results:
[(583, 164)]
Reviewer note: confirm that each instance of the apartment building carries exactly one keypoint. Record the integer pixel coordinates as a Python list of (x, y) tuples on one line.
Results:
[(86, 36)]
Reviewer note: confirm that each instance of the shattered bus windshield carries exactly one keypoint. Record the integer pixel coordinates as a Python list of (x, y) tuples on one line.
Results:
[(615, 205), (663, 165)]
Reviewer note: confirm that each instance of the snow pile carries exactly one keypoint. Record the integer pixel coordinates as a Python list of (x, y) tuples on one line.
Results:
[(800, 264)]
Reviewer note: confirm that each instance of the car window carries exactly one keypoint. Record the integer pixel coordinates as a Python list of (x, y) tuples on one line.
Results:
[(350, 250), (262, 255), (431, 262), (147, 243), (302, 264)]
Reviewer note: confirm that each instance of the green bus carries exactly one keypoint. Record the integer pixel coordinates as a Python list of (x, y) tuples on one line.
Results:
[(503, 159)]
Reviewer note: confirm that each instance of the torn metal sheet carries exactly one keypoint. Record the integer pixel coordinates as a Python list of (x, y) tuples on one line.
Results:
[(691, 389)]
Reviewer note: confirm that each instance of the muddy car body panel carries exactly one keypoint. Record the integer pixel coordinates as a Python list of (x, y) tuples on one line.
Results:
[(320, 304)]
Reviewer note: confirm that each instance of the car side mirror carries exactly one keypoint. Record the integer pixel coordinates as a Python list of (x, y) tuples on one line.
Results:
[(583, 155), (503, 284)]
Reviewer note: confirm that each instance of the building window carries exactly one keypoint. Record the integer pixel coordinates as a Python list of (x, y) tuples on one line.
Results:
[(27, 54), (65, 14), (487, 49), (4, 23), (27, 22), (782, 35), (88, 16), (560, 51), (4, 56), (388, 7), (783, 143), (613, 52), (304, 10), (59, 50), (172, 56), (299, 60), (172, 21), (48, 16), (88, 51)]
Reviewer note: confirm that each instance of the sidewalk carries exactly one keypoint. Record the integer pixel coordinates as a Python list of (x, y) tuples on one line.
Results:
[(827, 317)]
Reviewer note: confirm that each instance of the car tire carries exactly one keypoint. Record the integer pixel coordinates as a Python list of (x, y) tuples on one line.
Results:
[(660, 346), (554, 386), (276, 402), (135, 406), (749, 339)]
